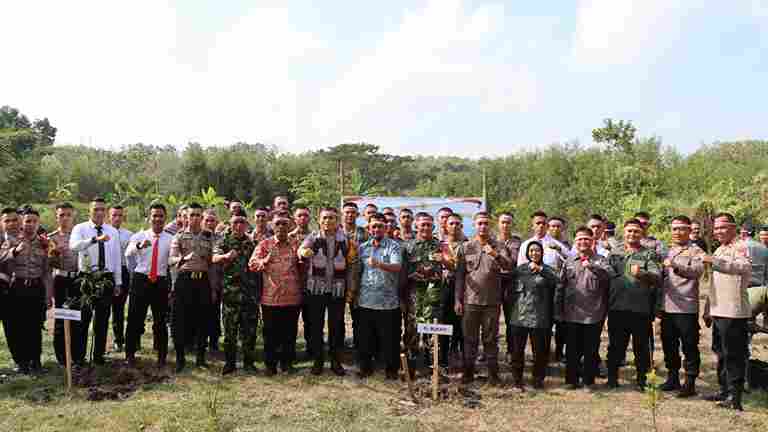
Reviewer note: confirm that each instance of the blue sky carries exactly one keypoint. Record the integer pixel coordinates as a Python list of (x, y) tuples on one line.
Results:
[(451, 77)]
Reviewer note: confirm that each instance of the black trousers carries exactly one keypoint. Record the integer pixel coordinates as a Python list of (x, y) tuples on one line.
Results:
[(318, 305), (192, 310), (681, 329), (379, 336), (102, 309), (25, 320), (622, 325), (65, 289), (540, 343), (307, 323), (118, 309), (583, 342), (5, 316), (146, 295), (561, 335), (729, 342), (281, 324)]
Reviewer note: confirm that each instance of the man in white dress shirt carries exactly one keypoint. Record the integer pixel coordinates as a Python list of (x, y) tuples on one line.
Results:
[(116, 219), (150, 284), (555, 252), (98, 247)]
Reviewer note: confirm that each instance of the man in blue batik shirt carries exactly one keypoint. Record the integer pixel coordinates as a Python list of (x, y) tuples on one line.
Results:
[(378, 299)]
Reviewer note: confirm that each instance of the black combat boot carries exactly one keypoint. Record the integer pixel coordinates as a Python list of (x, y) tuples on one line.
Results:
[(733, 401)]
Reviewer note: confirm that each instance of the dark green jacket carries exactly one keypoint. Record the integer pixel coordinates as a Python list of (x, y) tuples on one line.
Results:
[(532, 297), (634, 293)]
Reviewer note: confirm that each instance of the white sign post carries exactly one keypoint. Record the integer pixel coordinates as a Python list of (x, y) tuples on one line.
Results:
[(435, 329), (67, 315)]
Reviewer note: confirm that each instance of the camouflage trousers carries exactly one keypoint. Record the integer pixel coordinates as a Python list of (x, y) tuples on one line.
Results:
[(410, 336), (240, 319)]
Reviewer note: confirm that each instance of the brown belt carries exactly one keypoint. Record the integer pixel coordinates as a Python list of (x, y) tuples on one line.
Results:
[(194, 275)]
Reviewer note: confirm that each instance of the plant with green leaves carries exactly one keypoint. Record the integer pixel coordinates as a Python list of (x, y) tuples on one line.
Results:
[(654, 395)]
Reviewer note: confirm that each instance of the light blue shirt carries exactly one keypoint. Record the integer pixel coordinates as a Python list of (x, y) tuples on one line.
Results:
[(379, 288)]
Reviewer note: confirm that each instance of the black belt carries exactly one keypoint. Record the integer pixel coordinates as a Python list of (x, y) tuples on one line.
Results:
[(194, 275), (26, 281)]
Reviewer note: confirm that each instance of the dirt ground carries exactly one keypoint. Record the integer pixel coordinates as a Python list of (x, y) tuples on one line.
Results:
[(117, 398)]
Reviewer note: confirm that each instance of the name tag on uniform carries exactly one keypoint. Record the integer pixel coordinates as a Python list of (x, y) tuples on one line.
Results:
[(438, 329)]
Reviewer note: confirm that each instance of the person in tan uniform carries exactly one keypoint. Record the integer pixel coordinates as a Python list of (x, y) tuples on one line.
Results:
[(678, 307), (63, 263), (728, 310), (9, 229), (191, 253), (479, 296), (30, 291)]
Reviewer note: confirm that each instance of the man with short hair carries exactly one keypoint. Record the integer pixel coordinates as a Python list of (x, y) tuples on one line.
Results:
[(369, 210), (116, 219), (555, 252), (609, 241), (679, 308), (406, 224), (649, 241), (31, 290), (632, 298), (301, 218), (378, 299), (63, 263), (191, 252), (9, 229), (556, 228), (331, 256), (216, 274), (697, 238), (240, 296), (150, 285), (758, 253), (478, 296), (353, 232), (596, 223), (179, 221), (581, 301), (729, 310), (442, 222), (276, 257), (98, 247), (261, 230), (425, 264), (512, 243)]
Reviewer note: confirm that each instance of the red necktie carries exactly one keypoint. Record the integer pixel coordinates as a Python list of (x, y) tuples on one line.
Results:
[(155, 252)]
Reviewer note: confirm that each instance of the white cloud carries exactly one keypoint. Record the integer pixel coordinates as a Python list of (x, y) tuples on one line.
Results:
[(106, 74), (439, 57), (621, 32)]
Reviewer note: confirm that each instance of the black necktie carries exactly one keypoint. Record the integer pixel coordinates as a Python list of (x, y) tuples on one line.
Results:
[(102, 262)]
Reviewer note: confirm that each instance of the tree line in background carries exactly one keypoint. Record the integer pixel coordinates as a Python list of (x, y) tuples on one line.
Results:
[(624, 173)]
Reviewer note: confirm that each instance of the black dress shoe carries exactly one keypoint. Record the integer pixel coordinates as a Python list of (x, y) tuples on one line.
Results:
[(733, 401), (317, 369), (228, 369), (364, 373), (338, 369), (270, 371), (391, 376), (717, 397)]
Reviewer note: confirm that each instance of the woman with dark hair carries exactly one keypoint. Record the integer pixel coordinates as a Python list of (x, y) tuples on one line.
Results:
[(532, 310)]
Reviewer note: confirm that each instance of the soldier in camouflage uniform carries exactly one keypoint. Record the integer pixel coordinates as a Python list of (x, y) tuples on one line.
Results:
[(241, 307), (425, 264)]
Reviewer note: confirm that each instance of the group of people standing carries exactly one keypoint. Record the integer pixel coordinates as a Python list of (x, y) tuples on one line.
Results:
[(393, 272)]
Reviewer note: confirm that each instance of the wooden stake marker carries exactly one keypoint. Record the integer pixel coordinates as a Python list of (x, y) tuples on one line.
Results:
[(435, 330), (67, 315)]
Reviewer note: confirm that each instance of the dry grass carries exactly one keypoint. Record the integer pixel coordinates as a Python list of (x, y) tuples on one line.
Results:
[(306, 403)]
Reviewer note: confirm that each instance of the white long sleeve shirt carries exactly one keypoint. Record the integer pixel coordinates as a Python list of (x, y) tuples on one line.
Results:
[(80, 241), (143, 256)]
